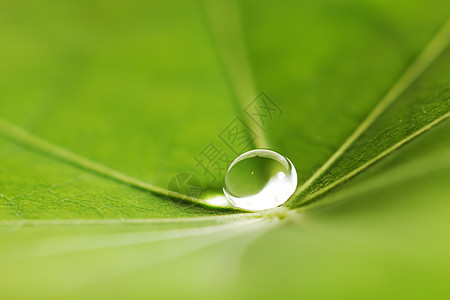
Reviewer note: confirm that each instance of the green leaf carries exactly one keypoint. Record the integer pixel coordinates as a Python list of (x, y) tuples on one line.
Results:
[(103, 103)]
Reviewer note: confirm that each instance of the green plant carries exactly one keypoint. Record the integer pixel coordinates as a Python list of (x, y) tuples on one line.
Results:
[(100, 99)]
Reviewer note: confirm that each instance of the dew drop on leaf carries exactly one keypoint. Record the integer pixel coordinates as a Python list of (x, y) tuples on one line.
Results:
[(260, 179)]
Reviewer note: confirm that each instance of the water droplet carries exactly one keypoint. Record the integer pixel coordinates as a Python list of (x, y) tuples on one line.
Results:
[(260, 179)]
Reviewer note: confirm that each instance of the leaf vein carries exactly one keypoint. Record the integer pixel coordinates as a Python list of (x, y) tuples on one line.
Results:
[(430, 53)]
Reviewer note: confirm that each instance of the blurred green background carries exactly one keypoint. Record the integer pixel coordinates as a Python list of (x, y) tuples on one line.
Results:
[(143, 87)]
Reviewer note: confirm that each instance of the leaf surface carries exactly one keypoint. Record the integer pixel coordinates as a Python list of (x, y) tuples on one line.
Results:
[(103, 103)]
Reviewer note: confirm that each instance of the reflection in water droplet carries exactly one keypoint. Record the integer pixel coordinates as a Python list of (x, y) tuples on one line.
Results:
[(260, 179)]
